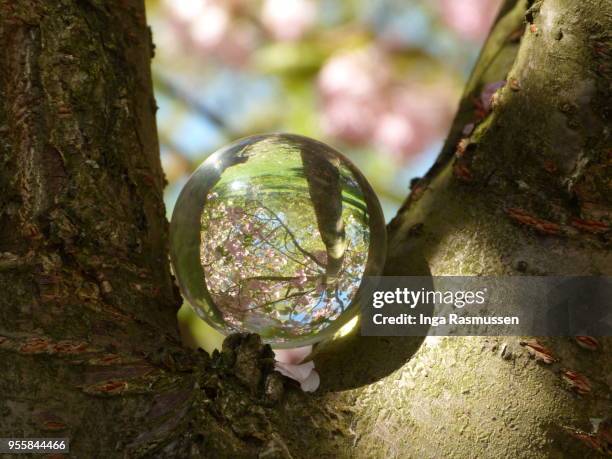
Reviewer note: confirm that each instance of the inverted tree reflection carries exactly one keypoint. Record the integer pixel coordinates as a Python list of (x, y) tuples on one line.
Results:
[(266, 265)]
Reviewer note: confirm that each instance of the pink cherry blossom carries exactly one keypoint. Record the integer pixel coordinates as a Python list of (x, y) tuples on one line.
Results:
[(416, 116), (288, 19), (292, 356), (289, 363), (357, 74), (214, 27), (233, 248), (185, 10), (431, 106), (305, 374), (209, 27), (321, 312), (235, 213), (364, 103), (397, 133), (300, 279), (237, 44), (349, 119), (471, 19)]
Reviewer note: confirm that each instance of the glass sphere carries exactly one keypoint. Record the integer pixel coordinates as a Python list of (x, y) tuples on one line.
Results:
[(273, 234)]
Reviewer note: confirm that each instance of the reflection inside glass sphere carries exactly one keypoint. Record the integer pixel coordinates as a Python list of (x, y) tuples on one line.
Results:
[(285, 230)]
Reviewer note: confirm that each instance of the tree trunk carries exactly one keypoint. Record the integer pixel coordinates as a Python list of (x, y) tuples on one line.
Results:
[(526, 192), (88, 341)]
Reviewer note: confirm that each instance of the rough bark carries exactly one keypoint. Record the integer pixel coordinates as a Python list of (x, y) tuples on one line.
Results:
[(88, 342)]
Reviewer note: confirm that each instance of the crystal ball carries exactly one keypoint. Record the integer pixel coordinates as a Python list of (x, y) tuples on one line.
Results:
[(274, 234)]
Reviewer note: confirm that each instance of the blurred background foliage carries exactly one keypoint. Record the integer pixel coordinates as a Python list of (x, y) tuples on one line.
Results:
[(377, 79)]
